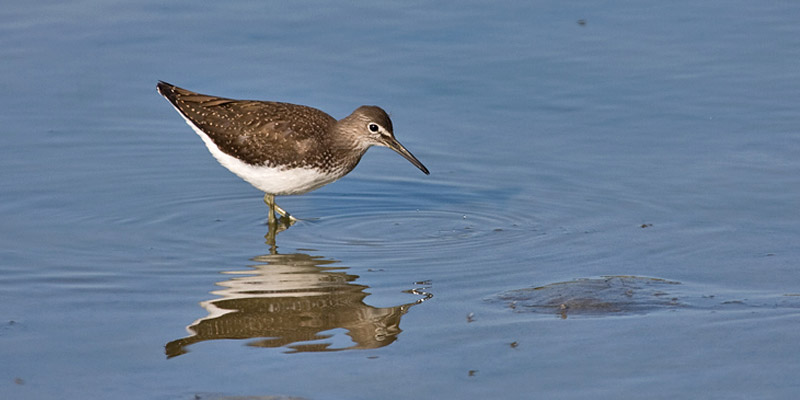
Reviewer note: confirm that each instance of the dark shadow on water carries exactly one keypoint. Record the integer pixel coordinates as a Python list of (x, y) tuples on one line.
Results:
[(292, 300)]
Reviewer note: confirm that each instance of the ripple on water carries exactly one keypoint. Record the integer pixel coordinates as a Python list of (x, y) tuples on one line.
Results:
[(421, 230)]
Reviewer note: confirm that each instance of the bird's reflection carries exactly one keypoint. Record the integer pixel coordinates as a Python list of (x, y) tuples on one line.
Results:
[(291, 300), (274, 227)]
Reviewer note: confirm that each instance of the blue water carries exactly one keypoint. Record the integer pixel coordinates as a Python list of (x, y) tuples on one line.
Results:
[(565, 141)]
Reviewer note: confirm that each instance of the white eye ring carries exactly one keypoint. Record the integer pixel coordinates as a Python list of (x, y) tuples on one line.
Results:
[(373, 127)]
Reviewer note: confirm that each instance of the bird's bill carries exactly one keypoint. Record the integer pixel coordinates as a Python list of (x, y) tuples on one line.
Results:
[(400, 149)]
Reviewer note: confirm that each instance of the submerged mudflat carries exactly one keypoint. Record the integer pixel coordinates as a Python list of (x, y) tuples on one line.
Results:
[(626, 295)]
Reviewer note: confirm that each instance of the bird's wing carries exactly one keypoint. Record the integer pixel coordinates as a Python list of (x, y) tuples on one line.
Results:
[(256, 132)]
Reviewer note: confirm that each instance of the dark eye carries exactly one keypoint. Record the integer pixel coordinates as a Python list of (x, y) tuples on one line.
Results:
[(373, 127)]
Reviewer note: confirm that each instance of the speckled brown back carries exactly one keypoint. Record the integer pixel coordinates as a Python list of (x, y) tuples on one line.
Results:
[(262, 132)]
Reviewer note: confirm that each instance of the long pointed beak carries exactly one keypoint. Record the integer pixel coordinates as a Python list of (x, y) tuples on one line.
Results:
[(400, 149)]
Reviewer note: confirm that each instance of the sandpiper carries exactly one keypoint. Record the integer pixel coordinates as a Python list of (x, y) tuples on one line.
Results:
[(282, 148)]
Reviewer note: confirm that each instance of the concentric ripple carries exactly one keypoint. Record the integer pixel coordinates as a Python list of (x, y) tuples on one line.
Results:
[(421, 230)]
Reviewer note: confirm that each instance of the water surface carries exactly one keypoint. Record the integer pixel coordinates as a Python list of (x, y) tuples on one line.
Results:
[(649, 140)]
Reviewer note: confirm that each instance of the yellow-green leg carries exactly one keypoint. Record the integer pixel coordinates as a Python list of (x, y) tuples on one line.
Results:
[(284, 213), (270, 200), (273, 208)]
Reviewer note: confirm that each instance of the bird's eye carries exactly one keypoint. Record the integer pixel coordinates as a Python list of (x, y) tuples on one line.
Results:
[(374, 127)]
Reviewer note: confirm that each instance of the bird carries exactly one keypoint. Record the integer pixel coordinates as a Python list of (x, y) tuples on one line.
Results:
[(283, 148)]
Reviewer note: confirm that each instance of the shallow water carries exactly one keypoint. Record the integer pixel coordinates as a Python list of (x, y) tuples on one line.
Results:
[(650, 140)]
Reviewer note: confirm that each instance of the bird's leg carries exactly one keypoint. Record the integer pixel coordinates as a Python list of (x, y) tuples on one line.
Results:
[(275, 208), (283, 212), (270, 200)]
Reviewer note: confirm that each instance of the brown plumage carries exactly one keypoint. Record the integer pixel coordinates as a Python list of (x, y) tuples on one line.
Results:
[(283, 148)]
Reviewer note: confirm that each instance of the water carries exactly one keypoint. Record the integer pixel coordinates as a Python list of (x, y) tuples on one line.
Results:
[(652, 140)]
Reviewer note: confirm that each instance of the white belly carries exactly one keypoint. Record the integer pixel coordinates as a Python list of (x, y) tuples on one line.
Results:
[(271, 180)]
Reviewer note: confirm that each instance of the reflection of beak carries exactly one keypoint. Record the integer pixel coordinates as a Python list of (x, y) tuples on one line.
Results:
[(393, 144)]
